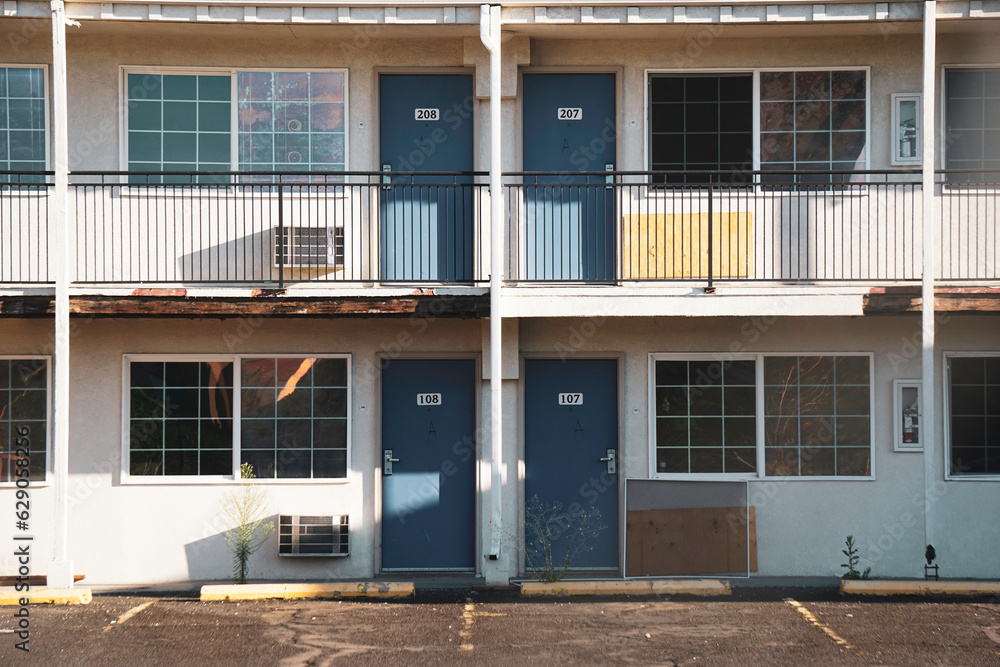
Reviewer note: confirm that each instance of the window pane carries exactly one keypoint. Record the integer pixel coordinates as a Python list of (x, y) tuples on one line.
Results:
[(167, 116), (974, 419), (180, 418), (813, 120), (970, 97), (698, 429), (295, 120), (22, 119), (294, 407), (816, 407), (694, 119), (24, 409)]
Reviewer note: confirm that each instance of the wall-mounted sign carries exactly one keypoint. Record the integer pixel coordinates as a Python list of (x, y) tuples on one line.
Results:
[(426, 114), (571, 398), (428, 399), (569, 113)]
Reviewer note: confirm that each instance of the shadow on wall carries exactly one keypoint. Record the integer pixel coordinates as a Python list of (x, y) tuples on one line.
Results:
[(246, 258)]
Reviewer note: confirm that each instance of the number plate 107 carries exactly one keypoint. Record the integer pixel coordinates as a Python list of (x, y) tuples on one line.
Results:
[(428, 399), (570, 399)]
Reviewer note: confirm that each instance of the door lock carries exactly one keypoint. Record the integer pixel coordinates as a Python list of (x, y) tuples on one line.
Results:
[(387, 462), (386, 178), (610, 178), (610, 460)]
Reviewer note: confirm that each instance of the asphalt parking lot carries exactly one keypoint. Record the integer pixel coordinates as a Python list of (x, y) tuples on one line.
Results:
[(463, 627)]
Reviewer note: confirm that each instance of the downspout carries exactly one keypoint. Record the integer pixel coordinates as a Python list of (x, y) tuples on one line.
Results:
[(489, 33), (60, 574), (928, 422)]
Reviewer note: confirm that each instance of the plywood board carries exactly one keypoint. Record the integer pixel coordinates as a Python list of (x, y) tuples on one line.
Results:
[(668, 246), (689, 541)]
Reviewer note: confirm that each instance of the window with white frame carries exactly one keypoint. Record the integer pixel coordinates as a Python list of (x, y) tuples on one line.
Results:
[(810, 120), (814, 412), (706, 416), (972, 125), (974, 414), (24, 415), (22, 119), (287, 416), (244, 120)]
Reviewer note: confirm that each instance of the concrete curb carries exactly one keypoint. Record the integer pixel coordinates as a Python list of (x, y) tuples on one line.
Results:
[(12, 598), (632, 587), (363, 589), (966, 588)]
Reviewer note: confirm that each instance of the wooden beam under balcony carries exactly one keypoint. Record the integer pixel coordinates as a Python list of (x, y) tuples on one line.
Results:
[(272, 305), (955, 300)]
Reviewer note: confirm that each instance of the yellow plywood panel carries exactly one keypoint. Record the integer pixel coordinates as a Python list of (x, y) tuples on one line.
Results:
[(668, 246)]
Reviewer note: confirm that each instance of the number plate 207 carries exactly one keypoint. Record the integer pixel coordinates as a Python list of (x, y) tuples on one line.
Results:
[(428, 399), (569, 113), (571, 399)]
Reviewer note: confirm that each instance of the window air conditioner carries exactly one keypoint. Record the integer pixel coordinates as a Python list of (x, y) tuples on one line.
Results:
[(310, 247), (313, 536)]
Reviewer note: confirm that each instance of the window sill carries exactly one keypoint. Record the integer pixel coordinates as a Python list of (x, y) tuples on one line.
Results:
[(187, 480)]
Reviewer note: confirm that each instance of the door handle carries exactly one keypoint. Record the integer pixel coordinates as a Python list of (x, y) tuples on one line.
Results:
[(610, 460), (387, 462)]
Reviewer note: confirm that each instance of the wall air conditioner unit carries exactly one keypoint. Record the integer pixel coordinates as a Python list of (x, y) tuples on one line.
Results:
[(313, 536), (310, 247)]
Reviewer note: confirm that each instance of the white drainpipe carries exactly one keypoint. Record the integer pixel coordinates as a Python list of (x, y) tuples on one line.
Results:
[(928, 422), (60, 574), (489, 33)]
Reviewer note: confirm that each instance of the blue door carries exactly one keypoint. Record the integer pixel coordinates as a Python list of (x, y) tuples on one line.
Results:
[(570, 423), (569, 126), (427, 227), (428, 464)]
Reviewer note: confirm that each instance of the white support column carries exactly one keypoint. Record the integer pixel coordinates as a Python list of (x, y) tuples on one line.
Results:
[(489, 33), (60, 574), (928, 423)]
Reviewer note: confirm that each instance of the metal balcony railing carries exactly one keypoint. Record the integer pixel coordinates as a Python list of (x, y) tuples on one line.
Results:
[(779, 226), (24, 227), (277, 228)]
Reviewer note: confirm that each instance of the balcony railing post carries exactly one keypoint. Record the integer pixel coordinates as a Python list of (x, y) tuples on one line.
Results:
[(710, 288), (281, 236)]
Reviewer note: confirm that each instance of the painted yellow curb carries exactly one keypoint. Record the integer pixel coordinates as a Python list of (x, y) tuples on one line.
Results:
[(861, 587), (384, 589), (632, 587), (10, 597)]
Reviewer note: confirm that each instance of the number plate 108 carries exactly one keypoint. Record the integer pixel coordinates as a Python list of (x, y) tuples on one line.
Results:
[(428, 399), (571, 399)]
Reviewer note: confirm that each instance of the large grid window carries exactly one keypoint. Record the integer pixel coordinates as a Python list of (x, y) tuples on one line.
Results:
[(281, 121), (706, 416), (22, 119), (974, 415), (291, 419), (294, 417), (817, 416), (24, 411), (972, 121), (701, 123)]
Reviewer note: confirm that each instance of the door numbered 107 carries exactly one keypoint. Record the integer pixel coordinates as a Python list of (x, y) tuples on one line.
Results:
[(571, 398)]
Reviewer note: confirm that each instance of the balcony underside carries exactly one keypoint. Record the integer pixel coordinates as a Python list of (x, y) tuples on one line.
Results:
[(267, 304)]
